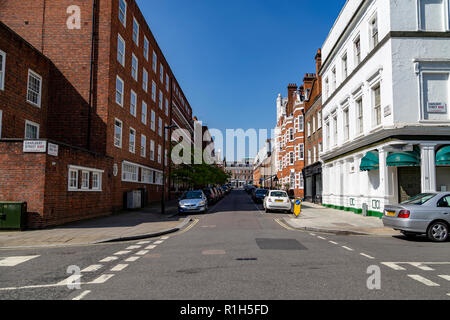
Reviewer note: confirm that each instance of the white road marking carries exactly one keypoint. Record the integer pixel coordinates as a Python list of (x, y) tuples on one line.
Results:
[(92, 268), (347, 248), (423, 280), (445, 277), (81, 296), (109, 259), (144, 242), (158, 242), (132, 259), (421, 266), (448, 294), (102, 279), (367, 256), (312, 234), (133, 247), (334, 242), (70, 280), (142, 253), (122, 253), (119, 267), (164, 238), (150, 247), (393, 265), (322, 238), (14, 261)]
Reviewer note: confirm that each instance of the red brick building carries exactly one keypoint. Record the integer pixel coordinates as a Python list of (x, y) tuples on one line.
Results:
[(111, 91), (313, 122), (290, 141)]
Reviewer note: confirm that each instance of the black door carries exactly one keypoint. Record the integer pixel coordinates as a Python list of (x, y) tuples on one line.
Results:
[(409, 182)]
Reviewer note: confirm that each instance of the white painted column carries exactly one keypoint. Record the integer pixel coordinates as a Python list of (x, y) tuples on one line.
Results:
[(384, 178), (428, 167)]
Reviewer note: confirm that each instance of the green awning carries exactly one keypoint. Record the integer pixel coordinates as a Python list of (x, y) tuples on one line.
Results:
[(404, 159), (371, 161), (443, 156)]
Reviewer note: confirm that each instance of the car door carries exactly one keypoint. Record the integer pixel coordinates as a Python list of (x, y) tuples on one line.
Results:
[(444, 206)]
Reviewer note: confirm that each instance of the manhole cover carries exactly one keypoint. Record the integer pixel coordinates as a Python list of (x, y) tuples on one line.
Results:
[(279, 244)]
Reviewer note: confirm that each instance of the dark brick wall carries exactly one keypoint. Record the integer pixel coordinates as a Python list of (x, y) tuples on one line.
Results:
[(20, 57)]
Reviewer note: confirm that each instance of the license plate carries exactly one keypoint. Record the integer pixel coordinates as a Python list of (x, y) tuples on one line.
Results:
[(279, 201), (390, 213)]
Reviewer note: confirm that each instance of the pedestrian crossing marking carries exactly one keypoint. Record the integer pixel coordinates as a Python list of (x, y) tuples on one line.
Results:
[(93, 268), (109, 259), (119, 267), (81, 296), (122, 253), (445, 277), (14, 261), (142, 253), (132, 259), (424, 266), (423, 280), (70, 280), (133, 247), (151, 247), (102, 279)]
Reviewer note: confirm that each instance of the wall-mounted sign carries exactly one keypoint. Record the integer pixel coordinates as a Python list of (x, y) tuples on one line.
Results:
[(387, 111), (34, 146), (53, 149), (437, 107)]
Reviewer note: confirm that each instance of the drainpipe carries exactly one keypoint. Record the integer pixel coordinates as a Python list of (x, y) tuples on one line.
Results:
[(94, 21)]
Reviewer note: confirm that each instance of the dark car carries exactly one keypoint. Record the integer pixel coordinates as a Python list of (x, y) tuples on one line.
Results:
[(219, 192), (210, 195), (258, 195), (250, 189)]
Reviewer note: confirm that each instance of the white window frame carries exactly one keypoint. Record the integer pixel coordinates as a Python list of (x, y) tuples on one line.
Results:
[(83, 187), (99, 181), (301, 123), (124, 22), (134, 69), (133, 94), (69, 186), (153, 120), (344, 60), (126, 174), (145, 80), (143, 146), (161, 100), (359, 116), (346, 118), (132, 147), (2, 71), (121, 93), (373, 18), (39, 94), (144, 115), (357, 55), (121, 133), (136, 39), (159, 153), (160, 125), (301, 151), (374, 107), (154, 61), (154, 89), (33, 124), (120, 39), (152, 150), (445, 17), (161, 73), (146, 48)]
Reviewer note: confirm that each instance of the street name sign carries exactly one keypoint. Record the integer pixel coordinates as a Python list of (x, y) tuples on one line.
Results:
[(34, 146)]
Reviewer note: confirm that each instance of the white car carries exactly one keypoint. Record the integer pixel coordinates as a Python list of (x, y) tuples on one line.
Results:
[(277, 200)]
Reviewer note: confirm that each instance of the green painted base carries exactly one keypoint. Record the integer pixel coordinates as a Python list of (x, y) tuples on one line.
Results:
[(355, 210)]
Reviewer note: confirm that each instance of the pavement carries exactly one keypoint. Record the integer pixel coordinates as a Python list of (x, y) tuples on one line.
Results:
[(320, 219), (134, 225)]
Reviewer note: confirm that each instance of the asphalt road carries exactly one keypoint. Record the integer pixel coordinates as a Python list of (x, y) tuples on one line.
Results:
[(234, 252)]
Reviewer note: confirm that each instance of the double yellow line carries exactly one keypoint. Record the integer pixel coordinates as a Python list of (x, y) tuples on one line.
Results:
[(284, 225)]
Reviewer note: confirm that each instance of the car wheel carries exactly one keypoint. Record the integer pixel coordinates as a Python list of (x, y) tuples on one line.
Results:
[(438, 231)]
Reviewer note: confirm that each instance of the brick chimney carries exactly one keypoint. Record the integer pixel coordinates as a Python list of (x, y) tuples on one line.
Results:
[(318, 61), (292, 92)]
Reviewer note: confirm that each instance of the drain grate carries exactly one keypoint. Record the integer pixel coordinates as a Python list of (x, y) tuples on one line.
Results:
[(279, 244)]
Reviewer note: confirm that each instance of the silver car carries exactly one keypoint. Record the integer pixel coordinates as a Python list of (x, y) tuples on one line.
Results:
[(426, 213), (193, 202)]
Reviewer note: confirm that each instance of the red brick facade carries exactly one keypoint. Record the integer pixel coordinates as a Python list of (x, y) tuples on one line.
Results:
[(63, 58)]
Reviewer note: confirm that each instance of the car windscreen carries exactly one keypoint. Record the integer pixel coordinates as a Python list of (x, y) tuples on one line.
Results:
[(279, 194), (192, 195), (261, 192), (420, 199)]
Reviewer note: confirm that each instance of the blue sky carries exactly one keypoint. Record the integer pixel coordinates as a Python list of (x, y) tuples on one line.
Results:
[(233, 57)]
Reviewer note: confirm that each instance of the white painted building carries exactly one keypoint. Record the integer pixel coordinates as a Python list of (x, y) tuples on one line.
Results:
[(385, 76)]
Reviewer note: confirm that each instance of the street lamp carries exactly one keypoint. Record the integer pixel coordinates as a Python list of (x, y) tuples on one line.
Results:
[(163, 197)]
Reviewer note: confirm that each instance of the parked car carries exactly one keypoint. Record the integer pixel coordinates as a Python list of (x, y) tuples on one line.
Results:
[(277, 200), (426, 213), (258, 195), (210, 195), (219, 192), (193, 201), (250, 189)]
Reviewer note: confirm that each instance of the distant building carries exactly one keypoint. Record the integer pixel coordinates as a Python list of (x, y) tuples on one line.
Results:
[(264, 169), (241, 172)]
